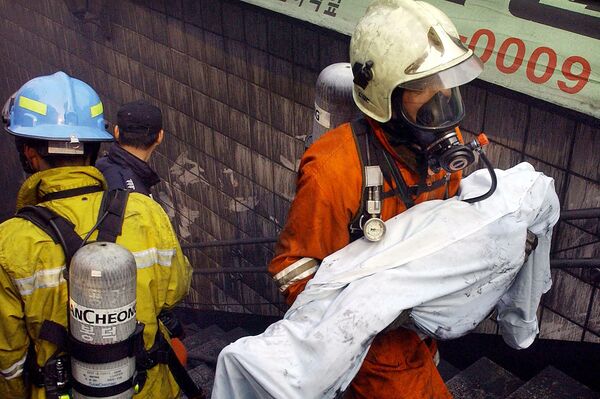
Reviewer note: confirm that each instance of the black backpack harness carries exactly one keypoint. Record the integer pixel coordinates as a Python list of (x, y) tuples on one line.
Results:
[(371, 153), (55, 374)]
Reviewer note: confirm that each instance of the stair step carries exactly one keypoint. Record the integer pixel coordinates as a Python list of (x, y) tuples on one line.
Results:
[(447, 370), (204, 377), (198, 338), (235, 334), (483, 379), (190, 328), (552, 383), (207, 352)]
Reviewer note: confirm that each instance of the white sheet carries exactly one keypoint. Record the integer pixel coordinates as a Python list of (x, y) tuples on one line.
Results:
[(449, 261)]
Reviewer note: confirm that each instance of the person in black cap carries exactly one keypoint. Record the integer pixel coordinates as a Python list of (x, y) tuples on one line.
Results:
[(138, 132)]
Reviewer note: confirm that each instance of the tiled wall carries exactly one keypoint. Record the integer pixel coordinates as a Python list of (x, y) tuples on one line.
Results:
[(236, 86)]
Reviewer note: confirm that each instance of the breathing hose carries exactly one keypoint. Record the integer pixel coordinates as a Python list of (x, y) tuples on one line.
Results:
[(490, 169)]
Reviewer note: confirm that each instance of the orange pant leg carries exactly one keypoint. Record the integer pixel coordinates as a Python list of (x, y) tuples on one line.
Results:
[(398, 366)]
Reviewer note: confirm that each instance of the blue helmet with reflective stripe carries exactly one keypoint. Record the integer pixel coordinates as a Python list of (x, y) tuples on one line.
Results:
[(57, 108)]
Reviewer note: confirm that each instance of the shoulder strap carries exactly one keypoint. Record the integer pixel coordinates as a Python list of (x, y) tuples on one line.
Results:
[(60, 229), (111, 215), (360, 128), (391, 173)]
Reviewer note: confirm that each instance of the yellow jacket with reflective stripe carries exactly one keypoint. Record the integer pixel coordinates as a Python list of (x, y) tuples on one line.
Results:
[(32, 288)]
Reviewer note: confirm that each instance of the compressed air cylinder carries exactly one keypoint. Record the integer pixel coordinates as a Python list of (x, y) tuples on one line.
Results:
[(102, 285), (333, 100)]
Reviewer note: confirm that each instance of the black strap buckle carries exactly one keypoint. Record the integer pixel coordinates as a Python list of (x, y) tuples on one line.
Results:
[(57, 374), (159, 353), (171, 323)]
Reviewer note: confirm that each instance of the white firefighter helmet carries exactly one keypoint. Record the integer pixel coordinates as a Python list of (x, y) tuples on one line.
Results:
[(407, 44)]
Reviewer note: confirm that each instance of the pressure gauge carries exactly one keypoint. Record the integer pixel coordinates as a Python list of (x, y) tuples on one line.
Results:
[(374, 229)]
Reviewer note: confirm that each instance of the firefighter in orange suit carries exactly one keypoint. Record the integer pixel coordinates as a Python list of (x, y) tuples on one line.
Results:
[(408, 63)]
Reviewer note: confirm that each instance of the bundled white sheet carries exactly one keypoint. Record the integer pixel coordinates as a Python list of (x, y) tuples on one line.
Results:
[(450, 262)]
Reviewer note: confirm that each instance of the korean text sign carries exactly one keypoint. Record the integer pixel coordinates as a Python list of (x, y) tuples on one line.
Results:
[(548, 49)]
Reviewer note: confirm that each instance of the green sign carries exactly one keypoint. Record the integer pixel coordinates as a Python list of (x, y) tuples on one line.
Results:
[(549, 49)]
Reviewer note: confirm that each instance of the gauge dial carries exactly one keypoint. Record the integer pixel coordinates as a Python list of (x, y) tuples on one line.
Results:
[(374, 229)]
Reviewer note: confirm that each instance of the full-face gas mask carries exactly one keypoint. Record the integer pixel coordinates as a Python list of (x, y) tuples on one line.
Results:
[(429, 119)]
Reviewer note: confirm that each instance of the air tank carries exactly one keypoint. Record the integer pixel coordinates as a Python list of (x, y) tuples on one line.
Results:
[(333, 100), (102, 304)]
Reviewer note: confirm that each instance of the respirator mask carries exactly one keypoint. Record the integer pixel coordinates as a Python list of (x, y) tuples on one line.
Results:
[(430, 118)]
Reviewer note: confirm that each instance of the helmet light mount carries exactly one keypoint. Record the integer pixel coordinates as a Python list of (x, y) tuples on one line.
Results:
[(363, 74), (71, 147)]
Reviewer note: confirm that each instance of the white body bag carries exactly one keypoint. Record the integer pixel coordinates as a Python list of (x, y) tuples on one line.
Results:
[(449, 263)]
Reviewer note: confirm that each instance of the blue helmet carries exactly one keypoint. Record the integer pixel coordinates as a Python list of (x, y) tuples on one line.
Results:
[(57, 108)]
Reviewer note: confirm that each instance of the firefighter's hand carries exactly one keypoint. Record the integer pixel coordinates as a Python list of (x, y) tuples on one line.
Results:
[(530, 244)]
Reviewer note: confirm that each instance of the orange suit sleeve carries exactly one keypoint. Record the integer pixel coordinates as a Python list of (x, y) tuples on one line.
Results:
[(327, 196)]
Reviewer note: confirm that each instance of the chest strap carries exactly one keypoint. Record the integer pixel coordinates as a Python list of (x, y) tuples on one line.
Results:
[(71, 193)]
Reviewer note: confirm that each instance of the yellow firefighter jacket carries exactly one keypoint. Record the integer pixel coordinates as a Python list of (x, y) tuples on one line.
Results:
[(32, 288)]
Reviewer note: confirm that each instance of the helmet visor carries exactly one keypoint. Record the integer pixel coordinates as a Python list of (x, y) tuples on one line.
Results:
[(431, 108), (458, 75)]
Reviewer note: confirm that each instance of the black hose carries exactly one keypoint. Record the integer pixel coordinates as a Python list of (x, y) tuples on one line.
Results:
[(490, 169), (98, 222)]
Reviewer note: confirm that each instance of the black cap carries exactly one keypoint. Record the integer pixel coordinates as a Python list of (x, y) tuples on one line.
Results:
[(139, 117)]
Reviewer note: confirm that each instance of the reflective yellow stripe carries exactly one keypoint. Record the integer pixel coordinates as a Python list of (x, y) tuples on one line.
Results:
[(33, 105), (96, 110), (54, 277), (41, 279), (153, 256), (15, 370)]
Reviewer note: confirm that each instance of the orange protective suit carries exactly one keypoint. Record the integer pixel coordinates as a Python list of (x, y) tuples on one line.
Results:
[(328, 195)]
